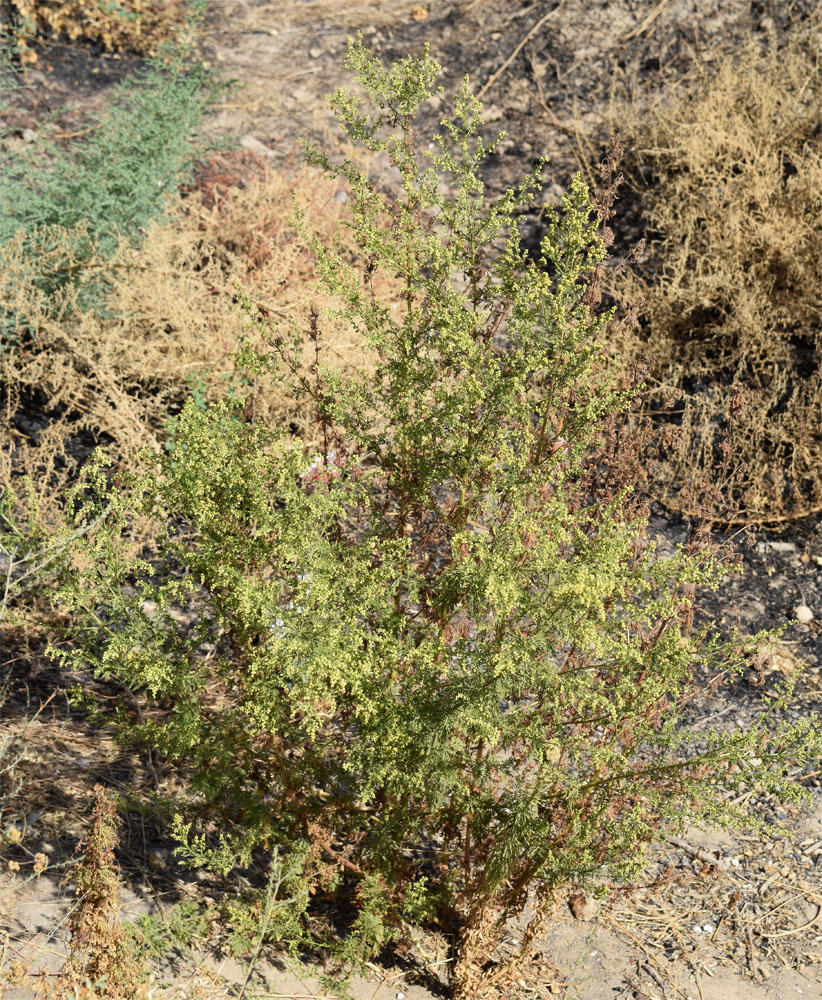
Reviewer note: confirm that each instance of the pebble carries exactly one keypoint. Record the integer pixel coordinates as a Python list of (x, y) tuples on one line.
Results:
[(315, 52), (583, 906), (803, 614), (254, 145), (553, 196), (776, 546)]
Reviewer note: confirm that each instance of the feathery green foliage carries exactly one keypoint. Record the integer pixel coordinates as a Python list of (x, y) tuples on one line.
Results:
[(440, 670), (116, 180), (109, 186)]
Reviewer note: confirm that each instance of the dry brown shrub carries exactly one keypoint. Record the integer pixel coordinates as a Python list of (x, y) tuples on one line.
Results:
[(729, 170), (100, 955), (137, 26), (174, 320), (102, 961)]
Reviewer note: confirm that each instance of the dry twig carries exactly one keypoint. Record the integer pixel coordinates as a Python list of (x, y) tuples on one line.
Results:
[(492, 79)]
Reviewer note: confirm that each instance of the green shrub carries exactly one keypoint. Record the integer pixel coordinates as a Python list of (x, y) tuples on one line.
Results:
[(138, 150), (30, 554), (175, 930), (438, 667), (59, 222)]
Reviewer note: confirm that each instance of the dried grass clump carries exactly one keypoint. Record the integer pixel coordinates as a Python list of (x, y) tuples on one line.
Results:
[(730, 171), (138, 26), (171, 323)]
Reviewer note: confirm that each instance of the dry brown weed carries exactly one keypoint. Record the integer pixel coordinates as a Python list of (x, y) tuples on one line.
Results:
[(126, 26), (730, 172), (102, 962), (173, 324)]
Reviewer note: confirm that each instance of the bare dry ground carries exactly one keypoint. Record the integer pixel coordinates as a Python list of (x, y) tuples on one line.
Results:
[(742, 914)]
